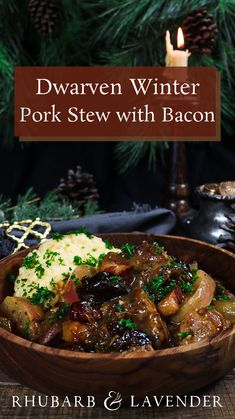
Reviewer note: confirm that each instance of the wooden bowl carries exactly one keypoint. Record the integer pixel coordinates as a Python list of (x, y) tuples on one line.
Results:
[(169, 371)]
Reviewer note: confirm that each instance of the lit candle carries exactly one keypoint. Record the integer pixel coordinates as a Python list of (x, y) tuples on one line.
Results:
[(179, 57)]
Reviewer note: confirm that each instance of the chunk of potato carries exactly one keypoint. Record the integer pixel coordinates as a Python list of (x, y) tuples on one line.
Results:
[(170, 304), (202, 324), (227, 308), (75, 331), (204, 288), (24, 314)]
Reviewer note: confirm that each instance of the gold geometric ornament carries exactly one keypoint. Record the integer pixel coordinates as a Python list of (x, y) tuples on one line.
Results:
[(25, 230)]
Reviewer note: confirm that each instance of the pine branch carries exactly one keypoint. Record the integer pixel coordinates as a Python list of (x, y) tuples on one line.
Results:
[(118, 24), (12, 53), (29, 196), (133, 34), (4, 203), (108, 32), (91, 208), (70, 47), (129, 154), (50, 209), (30, 206), (22, 45)]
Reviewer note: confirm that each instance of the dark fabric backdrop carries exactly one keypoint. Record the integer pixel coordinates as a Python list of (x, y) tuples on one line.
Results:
[(42, 165)]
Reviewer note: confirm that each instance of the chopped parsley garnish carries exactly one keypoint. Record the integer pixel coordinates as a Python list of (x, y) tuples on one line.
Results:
[(28, 288), (91, 261), (186, 286), (119, 308), (158, 281), (223, 297), (115, 278), (39, 271), (221, 294), (57, 236), (66, 276), (211, 307), (62, 312), (170, 275), (30, 261), (52, 282), (155, 244), (41, 295), (81, 230), (158, 288), (77, 260), (128, 249), (21, 281), (108, 245), (194, 271), (159, 250), (194, 274), (184, 334), (61, 261), (50, 257), (100, 258), (126, 324)]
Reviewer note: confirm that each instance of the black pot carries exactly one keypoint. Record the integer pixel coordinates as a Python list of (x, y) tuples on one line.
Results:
[(208, 223)]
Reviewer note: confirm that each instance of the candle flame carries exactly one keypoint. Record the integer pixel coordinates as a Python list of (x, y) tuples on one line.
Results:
[(180, 39)]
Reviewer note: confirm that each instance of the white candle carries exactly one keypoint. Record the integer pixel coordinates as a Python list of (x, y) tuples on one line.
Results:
[(176, 58)]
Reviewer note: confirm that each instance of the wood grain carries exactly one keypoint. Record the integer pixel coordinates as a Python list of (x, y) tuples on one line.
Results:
[(169, 371)]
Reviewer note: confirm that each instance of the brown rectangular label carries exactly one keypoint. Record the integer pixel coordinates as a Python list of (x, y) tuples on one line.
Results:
[(117, 103)]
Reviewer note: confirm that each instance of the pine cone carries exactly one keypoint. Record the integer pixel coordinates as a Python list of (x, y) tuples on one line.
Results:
[(79, 188), (200, 32), (44, 15)]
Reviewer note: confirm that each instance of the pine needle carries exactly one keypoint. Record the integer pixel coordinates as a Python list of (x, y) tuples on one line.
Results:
[(129, 154), (30, 206), (110, 32)]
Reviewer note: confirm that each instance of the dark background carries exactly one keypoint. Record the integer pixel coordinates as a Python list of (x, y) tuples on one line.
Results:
[(79, 38), (41, 165)]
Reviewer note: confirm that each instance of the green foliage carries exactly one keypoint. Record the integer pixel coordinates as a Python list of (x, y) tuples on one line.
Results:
[(22, 45), (111, 32), (129, 154), (26, 207), (12, 53), (91, 208), (137, 29), (30, 206), (49, 208), (133, 33), (69, 45), (4, 203)]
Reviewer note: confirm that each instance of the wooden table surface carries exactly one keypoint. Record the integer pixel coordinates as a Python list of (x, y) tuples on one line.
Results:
[(224, 388)]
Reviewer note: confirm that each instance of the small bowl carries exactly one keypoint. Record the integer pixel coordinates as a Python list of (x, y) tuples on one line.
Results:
[(167, 371)]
